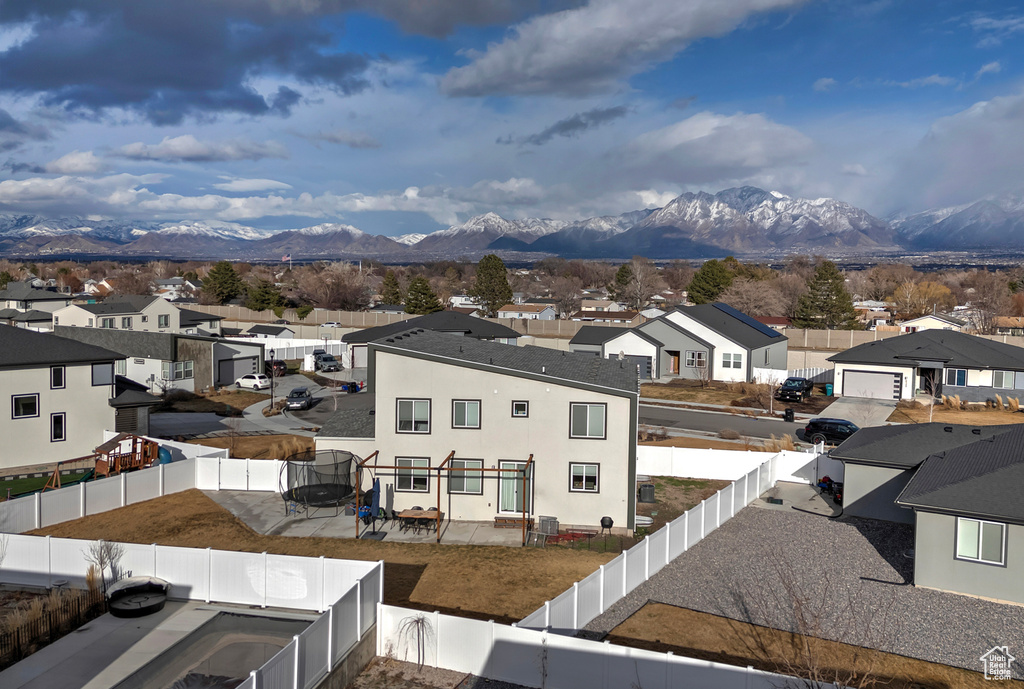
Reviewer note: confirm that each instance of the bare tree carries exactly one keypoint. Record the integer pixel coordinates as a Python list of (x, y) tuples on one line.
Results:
[(755, 297), (990, 297), (105, 556), (566, 290), (644, 281)]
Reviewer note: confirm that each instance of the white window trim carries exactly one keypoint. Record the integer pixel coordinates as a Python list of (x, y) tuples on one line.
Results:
[(468, 474), (697, 360), (597, 478), (589, 405), (945, 377), (980, 522), (14, 398), (398, 415), (526, 412), (732, 360), (466, 415), (418, 467), (1004, 374)]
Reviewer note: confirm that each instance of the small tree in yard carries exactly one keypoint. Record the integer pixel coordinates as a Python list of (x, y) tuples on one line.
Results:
[(391, 291), (263, 295), (826, 304), (222, 283), (421, 300), (491, 286), (105, 556)]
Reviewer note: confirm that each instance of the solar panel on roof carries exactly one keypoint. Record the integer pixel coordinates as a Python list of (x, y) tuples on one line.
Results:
[(740, 316)]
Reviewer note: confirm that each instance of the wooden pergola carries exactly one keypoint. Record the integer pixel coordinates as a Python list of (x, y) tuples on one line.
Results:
[(443, 467)]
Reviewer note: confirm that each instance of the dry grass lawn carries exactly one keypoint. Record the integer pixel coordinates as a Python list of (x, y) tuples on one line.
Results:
[(226, 402), (729, 394), (663, 628), (260, 446), (974, 416), (485, 582), (675, 496), (710, 444)]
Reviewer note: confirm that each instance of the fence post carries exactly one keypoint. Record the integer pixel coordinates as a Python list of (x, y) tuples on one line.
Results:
[(297, 680), (256, 683), (264, 580), (380, 581), (437, 638), (647, 558), (600, 595), (703, 523), (124, 489), (359, 608), (330, 639), (575, 605), (81, 500), (686, 530), (154, 559), (668, 542), (209, 573), (38, 504), (732, 499), (625, 572), (160, 468), (547, 614), (49, 562)]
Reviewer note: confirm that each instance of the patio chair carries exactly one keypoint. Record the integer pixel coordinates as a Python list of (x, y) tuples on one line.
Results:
[(414, 523), (428, 522)]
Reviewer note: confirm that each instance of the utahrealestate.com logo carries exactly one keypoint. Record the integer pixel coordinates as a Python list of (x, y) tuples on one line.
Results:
[(997, 662)]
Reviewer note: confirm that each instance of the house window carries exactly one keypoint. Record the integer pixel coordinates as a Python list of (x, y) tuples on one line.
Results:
[(163, 320), (732, 360), (126, 322), (462, 478), (586, 420), (696, 359), (90, 322), (407, 478), (177, 370), (121, 367), (144, 319), (56, 320), (1002, 379), (767, 357), (956, 376), (980, 541), (24, 406), (56, 377), (413, 416), (520, 409), (107, 323), (465, 413), (58, 428), (583, 478), (103, 374)]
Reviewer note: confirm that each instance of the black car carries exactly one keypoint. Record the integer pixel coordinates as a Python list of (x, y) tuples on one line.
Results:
[(831, 431), (795, 389), (299, 398), (275, 367)]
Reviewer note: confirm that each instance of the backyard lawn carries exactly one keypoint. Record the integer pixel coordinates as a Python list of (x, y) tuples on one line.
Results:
[(19, 486), (259, 446), (675, 496), (972, 416), (226, 402)]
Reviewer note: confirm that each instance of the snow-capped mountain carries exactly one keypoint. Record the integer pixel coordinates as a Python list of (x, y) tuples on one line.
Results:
[(330, 228), (208, 230), (409, 239), (994, 222), (480, 231), (577, 239)]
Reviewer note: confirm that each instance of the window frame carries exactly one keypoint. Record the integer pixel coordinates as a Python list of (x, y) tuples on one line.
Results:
[(63, 426), (597, 478), (1003, 374), (413, 400), (126, 322), (526, 412), (144, 318), (14, 405), (956, 376), (163, 320), (95, 367), (980, 537), (411, 472), (699, 358), (479, 421), (604, 421), (63, 377), (466, 475), (732, 360), (108, 324)]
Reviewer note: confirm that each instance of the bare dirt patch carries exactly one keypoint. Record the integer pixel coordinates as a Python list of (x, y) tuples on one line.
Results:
[(388, 673), (484, 582), (662, 628), (747, 444), (226, 402), (260, 446), (675, 496), (745, 395)]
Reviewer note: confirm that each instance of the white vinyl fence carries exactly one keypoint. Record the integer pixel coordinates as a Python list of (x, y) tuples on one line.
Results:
[(818, 375), (290, 348), (347, 592), (587, 599), (93, 497), (537, 659), (723, 465)]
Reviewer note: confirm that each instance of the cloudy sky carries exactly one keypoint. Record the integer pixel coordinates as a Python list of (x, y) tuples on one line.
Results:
[(402, 116)]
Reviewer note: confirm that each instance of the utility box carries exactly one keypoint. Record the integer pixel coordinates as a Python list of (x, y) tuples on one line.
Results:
[(647, 492), (548, 525)]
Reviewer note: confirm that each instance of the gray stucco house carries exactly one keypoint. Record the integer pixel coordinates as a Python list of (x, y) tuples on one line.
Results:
[(937, 362)]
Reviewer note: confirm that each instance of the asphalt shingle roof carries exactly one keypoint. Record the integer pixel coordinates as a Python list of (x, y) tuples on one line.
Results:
[(129, 343), (20, 347), (22, 291), (189, 317), (594, 335), (268, 329), (120, 305), (952, 348), (730, 323), (983, 478), (907, 446), (33, 316), (441, 321), (348, 423), (540, 362)]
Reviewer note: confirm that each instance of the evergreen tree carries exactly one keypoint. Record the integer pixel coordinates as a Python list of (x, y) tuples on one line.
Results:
[(420, 299), (222, 283), (620, 287), (826, 304), (391, 291), (709, 282), (5, 277), (262, 295), (491, 287)]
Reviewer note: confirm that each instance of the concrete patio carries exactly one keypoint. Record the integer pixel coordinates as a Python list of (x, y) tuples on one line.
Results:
[(265, 513)]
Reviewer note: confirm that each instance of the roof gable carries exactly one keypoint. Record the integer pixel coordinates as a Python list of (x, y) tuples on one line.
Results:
[(20, 347), (955, 349), (907, 446), (440, 321), (733, 325)]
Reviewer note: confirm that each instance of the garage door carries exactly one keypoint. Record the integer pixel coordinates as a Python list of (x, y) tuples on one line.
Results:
[(230, 370), (879, 386), (359, 356), (644, 362)]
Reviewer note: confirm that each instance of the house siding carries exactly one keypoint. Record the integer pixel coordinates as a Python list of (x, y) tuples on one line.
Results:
[(632, 344), (673, 340), (721, 344), (935, 564), (871, 492)]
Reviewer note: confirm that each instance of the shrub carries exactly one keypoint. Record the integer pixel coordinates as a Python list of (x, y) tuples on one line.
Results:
[(729, 434), (303, 311)]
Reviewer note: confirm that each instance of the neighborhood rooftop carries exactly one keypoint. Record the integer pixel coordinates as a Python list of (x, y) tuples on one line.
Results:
[(119, 305), (441, 321), (907, 445), (954, 349), (22, 291), (20, 347), (983, 478), (535, 361), (595, 334), (736, 326)]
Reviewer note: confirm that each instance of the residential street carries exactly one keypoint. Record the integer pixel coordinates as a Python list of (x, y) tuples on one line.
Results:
[(712, 422)]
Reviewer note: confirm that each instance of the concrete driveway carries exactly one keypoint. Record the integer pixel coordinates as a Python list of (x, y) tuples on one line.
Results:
[(860, 410)]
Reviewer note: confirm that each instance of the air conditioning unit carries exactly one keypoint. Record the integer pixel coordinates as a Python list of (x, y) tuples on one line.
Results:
[(548, 525)]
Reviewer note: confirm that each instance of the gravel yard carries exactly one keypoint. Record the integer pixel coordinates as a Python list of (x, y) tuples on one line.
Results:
[(845, 580)]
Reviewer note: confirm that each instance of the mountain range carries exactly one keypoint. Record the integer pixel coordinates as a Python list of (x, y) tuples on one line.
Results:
[(741, 221)]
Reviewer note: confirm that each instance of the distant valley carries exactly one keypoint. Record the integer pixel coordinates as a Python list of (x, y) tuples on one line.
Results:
[(742, 221)]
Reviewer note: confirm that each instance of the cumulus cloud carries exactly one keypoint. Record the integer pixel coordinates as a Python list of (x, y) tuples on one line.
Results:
[(824, 84), (709, 148), (344, 138), (589, 49), (250, 185), (75, 163), (187, 148), (571, 126)]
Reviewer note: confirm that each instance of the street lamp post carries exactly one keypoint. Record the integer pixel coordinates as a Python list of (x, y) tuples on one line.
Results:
[(273, 370)]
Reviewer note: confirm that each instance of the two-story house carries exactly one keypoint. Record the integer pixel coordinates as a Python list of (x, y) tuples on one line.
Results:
[(58, 393), (570, 418), (138, 313), (25, 306)]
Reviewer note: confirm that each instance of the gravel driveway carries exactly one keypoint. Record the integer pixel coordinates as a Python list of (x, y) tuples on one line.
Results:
[(850, 576)]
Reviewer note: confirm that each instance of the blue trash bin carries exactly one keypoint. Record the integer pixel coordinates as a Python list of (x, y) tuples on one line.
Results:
[(828, 389)]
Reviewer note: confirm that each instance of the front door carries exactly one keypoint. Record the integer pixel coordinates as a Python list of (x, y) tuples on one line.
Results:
[(511, 495), (673, 362)]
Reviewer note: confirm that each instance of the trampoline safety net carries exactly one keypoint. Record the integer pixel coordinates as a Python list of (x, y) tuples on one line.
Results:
[(316, 480)]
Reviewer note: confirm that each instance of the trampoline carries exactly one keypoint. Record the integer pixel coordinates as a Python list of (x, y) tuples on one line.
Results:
[(324, 479)]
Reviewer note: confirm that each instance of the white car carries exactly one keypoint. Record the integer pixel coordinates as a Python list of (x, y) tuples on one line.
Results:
[(331, 324), (254, 381)]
